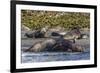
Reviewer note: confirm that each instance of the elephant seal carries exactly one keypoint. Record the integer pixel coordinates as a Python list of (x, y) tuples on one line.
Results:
[(39, 34), (29, 34), (42, 46), (35, 34), (58, 45), (67, 45), (74, 33)]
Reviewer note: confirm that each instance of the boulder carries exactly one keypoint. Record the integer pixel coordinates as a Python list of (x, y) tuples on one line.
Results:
[(24, 28)]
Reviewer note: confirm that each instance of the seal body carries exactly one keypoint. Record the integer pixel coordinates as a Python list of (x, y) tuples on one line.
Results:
[(51, 45), (42, 46)]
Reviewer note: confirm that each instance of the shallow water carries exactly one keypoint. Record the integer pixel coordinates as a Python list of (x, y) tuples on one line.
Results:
[(28, 57)]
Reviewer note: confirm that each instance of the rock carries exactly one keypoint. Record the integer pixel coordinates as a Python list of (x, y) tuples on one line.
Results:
[(45, 29), (84, 36), (48, 34), (24, 28), (68, 37), (62, 33)]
